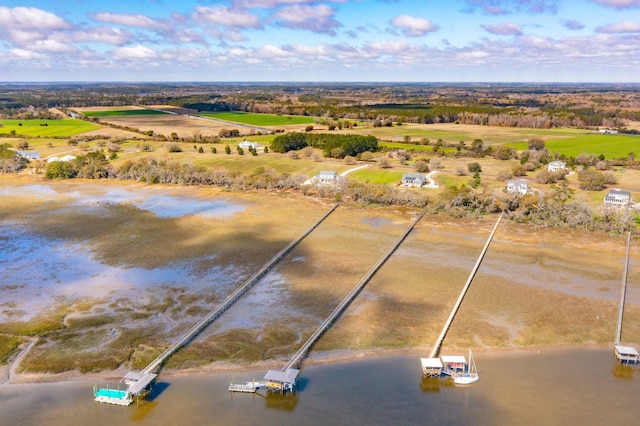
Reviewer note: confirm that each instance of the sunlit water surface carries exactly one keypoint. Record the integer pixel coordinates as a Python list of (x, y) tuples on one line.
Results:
[(579, 386)]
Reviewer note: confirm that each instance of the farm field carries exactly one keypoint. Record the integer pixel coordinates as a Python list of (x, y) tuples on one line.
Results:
[(166, 124), (259, 119), (612, 146), (47, 128), (122, 112)]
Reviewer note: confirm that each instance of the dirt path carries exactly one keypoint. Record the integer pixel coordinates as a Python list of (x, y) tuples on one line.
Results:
[(11, 372)]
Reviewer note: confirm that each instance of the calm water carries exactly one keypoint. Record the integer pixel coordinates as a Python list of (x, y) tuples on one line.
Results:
[(548, 388)]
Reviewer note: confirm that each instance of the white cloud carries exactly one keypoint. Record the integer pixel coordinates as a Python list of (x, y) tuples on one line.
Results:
[(52, 46), (507, 28), (114, 36), (619, 4), (412, 26), (620, 27), (21, 54), (390, 47), (129, 20), (30, 18), (226, 17), (318, 18), (138, 52)]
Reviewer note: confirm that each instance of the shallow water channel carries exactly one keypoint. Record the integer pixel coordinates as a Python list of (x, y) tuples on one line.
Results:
[(578, 386)]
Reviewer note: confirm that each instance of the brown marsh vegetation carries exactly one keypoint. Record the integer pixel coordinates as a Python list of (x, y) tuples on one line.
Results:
[(541, 287)]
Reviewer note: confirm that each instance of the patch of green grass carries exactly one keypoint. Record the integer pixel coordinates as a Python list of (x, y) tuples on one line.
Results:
[(376, 175), (8, 346), (46, 128), (259, 119), (122, 112), (612, 146)]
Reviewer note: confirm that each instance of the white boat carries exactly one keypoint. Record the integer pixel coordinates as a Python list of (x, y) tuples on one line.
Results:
[(470, 375)]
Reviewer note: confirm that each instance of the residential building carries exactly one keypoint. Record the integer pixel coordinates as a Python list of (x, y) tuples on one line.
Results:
[(618, 199), (518, 186), (557, 165), (413, 179)]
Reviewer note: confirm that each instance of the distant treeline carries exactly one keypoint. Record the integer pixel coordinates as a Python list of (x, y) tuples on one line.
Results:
[(333, 145)]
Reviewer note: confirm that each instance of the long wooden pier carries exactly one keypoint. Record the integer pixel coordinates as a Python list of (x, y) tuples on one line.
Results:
[(230, 300), (435, 352), (623, 292), (300, 354)]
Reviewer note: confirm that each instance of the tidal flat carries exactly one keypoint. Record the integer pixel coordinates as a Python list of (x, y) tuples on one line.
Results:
[(97, 277)]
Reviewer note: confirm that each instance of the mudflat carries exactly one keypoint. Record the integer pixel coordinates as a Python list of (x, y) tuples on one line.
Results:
[(98, 276)]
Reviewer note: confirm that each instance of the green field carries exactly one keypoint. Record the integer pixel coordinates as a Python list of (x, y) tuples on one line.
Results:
[(377, 175), (259, 119), (46, 128), (122, 112), (612, 146)]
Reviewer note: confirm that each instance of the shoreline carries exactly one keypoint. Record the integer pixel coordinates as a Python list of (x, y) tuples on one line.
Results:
[(340, 356)]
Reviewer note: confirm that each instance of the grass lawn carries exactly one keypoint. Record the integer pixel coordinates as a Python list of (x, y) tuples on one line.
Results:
[(122, 112), (259, 119), (46, 128), (612, 146), (377, 175)]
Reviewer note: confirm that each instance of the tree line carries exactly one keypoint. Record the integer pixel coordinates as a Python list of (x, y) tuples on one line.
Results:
[(332, 145)]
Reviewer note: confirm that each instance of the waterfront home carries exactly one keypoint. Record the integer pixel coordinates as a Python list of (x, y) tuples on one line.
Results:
[(557, 165), (245, 144), (413, 179), (617, 199), (517, 186)]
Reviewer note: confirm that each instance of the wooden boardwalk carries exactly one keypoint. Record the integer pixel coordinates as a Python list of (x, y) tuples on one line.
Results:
[(230, 300), (300, 354), (435, 352), (623, 292)]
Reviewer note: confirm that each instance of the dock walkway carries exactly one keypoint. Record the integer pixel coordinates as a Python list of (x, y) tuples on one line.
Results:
[(436, 348), (299, 355), (230, 300)]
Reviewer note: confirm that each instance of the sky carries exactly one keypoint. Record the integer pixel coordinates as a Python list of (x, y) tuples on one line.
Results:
[(318, 41)]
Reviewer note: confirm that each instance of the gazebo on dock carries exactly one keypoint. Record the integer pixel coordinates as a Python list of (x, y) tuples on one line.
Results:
[(281, 381), (453, 364), (431, 367), (627, 354)]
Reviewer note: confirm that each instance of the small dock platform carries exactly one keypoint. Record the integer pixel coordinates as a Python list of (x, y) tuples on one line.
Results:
[(246, 387), (627, 355), (137, 385)]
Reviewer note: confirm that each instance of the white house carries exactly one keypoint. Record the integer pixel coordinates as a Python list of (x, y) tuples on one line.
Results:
[(618, 199), (518, 186), (245, 144), (29, 155), (326, 177), (64, 158), (413, 179), (557, 165)]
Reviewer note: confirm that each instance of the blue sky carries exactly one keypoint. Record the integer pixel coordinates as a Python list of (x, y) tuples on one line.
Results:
[(331, 40)]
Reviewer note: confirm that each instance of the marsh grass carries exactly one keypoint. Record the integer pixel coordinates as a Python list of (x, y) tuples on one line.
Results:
[(8, 346)]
